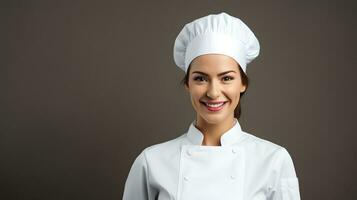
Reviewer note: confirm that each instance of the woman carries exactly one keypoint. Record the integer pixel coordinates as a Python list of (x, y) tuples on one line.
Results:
[(215, 159)]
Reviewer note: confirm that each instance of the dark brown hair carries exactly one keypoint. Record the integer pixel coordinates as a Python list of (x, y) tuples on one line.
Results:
[(245, 81)]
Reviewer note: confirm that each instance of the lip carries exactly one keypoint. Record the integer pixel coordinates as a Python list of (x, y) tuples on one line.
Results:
[(214, 109), (214, 101)]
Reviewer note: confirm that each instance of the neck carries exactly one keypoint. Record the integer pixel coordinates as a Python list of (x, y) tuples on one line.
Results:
[(213, 132)]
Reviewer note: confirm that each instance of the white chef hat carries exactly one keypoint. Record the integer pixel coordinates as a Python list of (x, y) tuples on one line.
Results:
[(216, 34)]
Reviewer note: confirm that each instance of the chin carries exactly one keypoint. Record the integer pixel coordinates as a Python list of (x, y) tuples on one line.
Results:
[(213, 118)]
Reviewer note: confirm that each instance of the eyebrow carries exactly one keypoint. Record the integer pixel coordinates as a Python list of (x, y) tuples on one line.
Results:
[(220, 74)]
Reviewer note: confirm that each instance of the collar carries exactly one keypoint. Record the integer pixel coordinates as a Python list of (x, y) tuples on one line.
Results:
[(229, 137)]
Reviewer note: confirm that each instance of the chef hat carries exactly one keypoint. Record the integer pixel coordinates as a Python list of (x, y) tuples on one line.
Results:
[(216, 34)]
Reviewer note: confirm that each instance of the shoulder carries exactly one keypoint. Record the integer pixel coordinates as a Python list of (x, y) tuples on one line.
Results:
[(260, 146), (257, 143)]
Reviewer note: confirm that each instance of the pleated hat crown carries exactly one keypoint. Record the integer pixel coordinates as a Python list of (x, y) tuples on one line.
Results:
[(216, 34)]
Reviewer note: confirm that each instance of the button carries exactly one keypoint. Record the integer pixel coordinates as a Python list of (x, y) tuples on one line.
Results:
[(234, 150), (189, 152), (185, 178)]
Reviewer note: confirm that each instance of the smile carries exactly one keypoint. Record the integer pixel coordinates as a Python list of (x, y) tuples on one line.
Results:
[(214, 106)]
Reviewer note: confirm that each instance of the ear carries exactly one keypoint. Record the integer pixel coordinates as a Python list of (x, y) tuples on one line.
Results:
[(243, 88)]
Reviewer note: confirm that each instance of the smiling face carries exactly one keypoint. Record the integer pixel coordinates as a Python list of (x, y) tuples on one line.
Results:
[(214, 85)]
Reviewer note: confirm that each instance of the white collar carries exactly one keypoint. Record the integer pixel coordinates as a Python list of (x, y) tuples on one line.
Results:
[(229, 137)]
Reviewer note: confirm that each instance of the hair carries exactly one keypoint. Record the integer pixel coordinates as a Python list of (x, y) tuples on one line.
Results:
[(245, 82)]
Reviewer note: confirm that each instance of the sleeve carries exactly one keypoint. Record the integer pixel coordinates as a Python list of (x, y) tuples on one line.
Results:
[(286, 184), (137, 183)]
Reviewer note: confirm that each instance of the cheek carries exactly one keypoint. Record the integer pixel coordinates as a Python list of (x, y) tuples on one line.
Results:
[(196, 92), (234, 95), (196, 96), (233, 92)]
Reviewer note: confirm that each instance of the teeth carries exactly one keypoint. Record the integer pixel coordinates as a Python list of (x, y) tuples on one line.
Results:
[(214, 105)]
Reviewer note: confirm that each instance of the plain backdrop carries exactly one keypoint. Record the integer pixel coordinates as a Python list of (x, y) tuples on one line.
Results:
[(85, 86)]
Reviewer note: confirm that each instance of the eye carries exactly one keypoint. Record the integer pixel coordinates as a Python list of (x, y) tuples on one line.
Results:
[(228, 78), (199, 78)]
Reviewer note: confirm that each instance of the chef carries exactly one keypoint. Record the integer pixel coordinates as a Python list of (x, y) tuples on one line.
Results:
[(214, 159)]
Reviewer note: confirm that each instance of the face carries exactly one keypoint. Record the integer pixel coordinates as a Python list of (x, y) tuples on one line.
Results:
[(214, 85)]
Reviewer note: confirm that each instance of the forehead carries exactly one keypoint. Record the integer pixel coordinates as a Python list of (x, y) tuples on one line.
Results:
[(213, 63)]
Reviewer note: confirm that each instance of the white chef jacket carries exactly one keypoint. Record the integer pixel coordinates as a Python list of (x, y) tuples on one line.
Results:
[(244, 167)]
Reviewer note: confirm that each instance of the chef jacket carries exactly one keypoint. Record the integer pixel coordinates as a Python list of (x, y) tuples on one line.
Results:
[(244, 167)]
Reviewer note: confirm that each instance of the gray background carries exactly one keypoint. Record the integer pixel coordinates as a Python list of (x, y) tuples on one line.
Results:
[(87, 85)]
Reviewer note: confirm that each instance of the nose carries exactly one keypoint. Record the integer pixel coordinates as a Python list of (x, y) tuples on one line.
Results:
[(213, 90)]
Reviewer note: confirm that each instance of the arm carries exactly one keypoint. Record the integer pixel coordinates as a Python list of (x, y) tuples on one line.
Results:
[(137, 183), (286, 186)]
